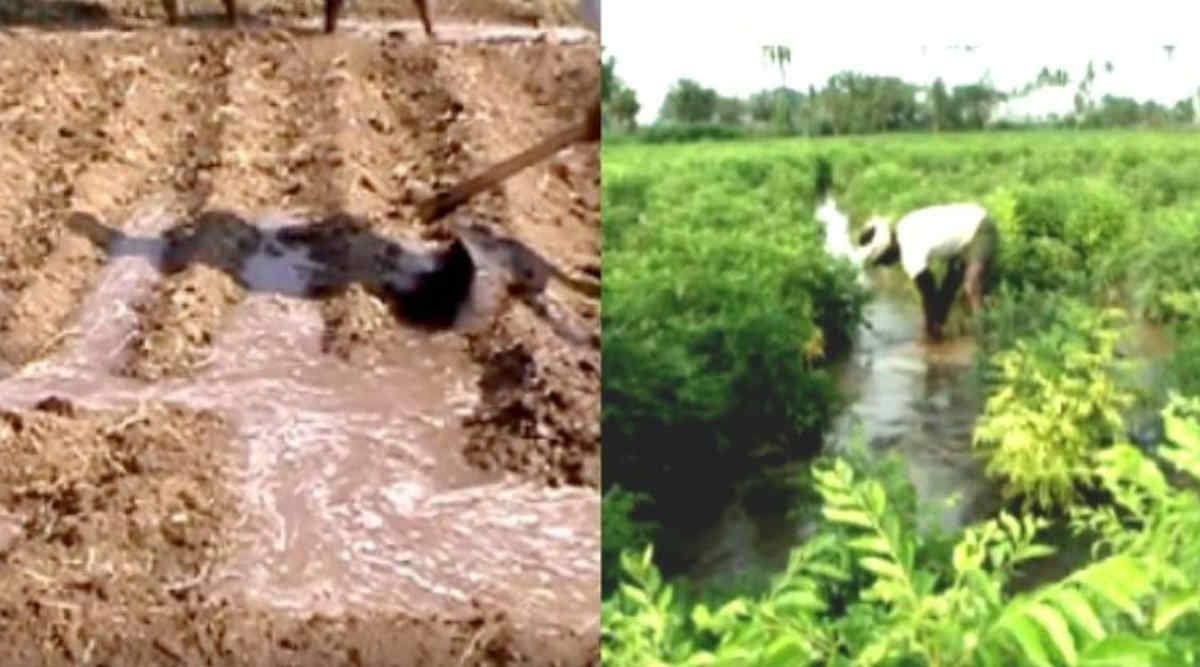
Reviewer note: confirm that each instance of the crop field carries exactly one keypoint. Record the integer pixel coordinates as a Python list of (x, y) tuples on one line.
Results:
[(724, 323), (200, 466)]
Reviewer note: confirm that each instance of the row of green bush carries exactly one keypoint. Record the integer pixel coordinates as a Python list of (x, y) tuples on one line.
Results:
[(869, 589), (722, 311)]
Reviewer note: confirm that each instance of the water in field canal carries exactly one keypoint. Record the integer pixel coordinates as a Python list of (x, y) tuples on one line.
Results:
[(907, 395), (356, 491)]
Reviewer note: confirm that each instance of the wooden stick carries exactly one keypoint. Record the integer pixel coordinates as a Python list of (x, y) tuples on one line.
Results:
[(447, 201)]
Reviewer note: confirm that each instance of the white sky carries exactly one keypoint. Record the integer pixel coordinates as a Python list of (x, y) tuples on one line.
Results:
[(719, 43)]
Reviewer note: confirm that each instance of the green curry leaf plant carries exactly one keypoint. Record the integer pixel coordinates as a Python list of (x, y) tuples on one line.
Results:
[(1055, 398), (1136, 603)]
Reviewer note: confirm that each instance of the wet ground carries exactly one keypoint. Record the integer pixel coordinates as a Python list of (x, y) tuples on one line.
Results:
[(905, 394), (207, 462), (908, 395)]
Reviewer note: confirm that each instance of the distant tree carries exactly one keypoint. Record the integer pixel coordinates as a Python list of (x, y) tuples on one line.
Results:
[(731, 110), (1083, 94), (625, 107), (974, 101), (689, 102), (780, 56), (618, 101), (1058, 77), (840, 92), (608, 78), (814, 110), (1108, 67), (1185, 110), (761, 106), (939, 104), (1116, 112)]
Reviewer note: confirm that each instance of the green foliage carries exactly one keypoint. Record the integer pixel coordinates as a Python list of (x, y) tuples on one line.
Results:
[(1183, 366), (721, 312), (641, 616), (856, 103), (621, 530), (1055, 400), (1163, 258), (619, 102), (1138, 603), (681, 133), (689, 102)]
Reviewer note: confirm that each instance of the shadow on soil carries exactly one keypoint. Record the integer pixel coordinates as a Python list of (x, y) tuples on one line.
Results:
[(56, 15), (430, 290)]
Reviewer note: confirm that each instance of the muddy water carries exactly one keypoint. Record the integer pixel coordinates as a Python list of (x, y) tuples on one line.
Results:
[(906, 395), (356, 493), (919, 399)]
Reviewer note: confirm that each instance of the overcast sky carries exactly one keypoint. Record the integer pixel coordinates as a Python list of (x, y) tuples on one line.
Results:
[(720, 44)]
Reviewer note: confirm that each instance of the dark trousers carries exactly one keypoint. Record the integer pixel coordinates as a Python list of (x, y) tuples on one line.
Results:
[(972, 266)]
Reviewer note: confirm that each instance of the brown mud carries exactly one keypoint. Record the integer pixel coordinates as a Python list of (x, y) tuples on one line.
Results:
[(202, 465)]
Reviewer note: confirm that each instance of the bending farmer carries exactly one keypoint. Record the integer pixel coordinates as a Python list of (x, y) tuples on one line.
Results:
[(962, 233)]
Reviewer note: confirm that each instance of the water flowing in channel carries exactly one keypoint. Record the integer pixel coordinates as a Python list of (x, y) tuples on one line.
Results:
[(355, 490)]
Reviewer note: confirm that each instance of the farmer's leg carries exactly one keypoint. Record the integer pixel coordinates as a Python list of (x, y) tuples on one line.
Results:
[(979, 258), (955, 270), (332, 9), (929, 303), (976, 272)]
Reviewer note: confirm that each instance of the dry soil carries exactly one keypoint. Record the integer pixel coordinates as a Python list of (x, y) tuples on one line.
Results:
[(141, 476)]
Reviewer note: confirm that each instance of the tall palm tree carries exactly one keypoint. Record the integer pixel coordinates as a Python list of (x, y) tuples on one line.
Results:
[(1169, 49), (781, 56)]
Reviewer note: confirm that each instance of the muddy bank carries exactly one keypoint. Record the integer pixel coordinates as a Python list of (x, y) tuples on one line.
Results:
[(235, 475)]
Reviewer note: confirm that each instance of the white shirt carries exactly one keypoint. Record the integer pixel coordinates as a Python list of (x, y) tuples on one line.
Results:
[(935, 232)]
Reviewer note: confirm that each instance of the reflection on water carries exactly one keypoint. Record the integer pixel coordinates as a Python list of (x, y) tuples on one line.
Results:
[(917, 398)]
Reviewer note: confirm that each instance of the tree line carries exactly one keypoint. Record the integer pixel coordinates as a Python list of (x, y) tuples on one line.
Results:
[(855, 103)]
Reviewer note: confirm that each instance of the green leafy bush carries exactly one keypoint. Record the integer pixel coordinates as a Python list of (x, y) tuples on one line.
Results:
[(621, 530), (1183, 365), (1161, 265), (1138, 603), (721, 311), (1056, 398), (660, 133)]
